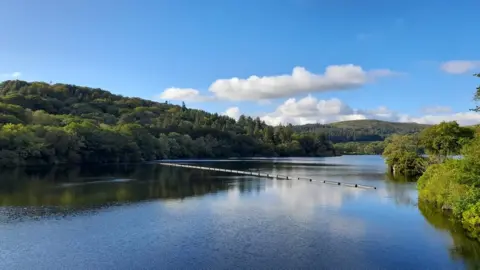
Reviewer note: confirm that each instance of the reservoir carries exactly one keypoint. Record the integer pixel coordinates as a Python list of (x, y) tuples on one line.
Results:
[(150, 216)]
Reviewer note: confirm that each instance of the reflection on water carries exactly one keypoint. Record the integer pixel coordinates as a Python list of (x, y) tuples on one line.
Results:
[(462, 247), (403, 193), (101, 185), (150, 217), (62, 190)]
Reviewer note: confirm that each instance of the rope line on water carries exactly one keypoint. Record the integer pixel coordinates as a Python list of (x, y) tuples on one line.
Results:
[(277, 176)]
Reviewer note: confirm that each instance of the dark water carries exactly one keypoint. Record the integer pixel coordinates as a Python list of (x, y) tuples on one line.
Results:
[(154, 217)]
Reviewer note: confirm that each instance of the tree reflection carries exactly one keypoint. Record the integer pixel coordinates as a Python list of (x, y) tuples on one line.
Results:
[(463, 248), (100, 185), (402, 192)]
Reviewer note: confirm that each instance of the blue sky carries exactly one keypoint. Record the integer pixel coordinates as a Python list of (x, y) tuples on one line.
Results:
[(393, 60)]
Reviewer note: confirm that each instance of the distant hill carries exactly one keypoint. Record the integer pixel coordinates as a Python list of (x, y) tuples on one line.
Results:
[(379, 124), (361, 130)]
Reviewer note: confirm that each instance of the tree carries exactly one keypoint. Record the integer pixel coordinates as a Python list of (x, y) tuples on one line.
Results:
[(445, 139), (43, 118), (268, 135), (403, 155), (477, 95)]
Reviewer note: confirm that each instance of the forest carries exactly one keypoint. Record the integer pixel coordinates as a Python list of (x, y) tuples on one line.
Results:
[(361, 137), (449, 174), (43, 123), (360, 148), (361, 130)]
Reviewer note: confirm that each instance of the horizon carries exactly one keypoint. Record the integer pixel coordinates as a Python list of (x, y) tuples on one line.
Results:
[(307, 62)]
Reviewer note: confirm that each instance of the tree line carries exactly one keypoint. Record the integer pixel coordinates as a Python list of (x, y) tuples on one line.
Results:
[(43, 123), (360, 148), (361, 130), (446, 182)]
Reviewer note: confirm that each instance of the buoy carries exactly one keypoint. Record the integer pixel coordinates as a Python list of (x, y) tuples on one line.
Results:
[(260, 174)]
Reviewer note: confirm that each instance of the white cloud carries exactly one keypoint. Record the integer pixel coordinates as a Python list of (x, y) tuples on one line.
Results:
[(460, 66), (300, 81), (463, 118), (338, 77), (183, 94), (310, 106), (13, 75), (233, 112), (436, 109), (309, 110)]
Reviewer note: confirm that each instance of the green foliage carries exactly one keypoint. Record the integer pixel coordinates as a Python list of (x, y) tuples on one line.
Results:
[(361, 130), (403, 155), (441, 184), (454, 185), (446, 138), (471, 219), (360, 148), (50, 124)]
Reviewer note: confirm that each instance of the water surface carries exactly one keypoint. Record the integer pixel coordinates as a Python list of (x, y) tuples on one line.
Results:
[(154, 217)]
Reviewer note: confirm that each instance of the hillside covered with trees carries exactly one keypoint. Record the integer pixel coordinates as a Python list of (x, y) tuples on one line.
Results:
[(44, 123), (361, 137), (361, 130)]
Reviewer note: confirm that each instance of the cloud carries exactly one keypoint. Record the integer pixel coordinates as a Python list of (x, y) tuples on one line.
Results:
[(459, 66), (13, 75), (310, 106), (335, 78), (310, 110), (463, 118), (183, 94), (300, 81), (233, 112), (264, 102), (437, 109)]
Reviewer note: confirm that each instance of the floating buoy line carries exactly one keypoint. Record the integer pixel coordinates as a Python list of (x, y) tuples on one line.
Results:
[(267, 175)]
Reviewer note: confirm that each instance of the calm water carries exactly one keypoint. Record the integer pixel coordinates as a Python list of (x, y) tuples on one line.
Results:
[(154, 217)]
